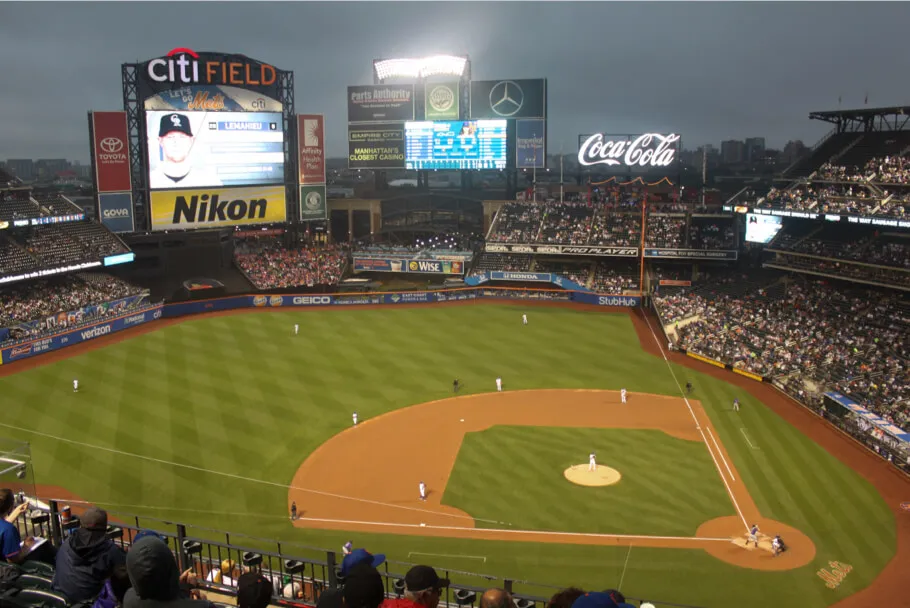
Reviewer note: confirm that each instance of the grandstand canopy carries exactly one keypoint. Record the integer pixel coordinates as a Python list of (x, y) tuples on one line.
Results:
[(893, 118)]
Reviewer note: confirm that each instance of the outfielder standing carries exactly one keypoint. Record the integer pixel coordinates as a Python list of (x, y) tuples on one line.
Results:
[(524, 319), (355, 418), (499, 384), (75, 386), (296, 329), (622, 394), (736, 405)]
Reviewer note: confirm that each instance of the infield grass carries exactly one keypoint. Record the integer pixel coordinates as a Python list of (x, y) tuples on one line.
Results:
[(206, 421)]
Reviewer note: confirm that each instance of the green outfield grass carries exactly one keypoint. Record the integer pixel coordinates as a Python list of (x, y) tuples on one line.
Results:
[(656, 471), (240, 395)]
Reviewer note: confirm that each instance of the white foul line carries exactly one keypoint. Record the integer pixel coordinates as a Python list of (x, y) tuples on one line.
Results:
[(743, 431), (626, 565), (504, 531), (721, 454), (243, 478), (446, 555), (697, 426)]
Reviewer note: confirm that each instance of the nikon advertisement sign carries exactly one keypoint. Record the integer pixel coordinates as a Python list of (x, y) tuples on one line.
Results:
[(441, 101), (312, 203), (217, 207), (379, 146)]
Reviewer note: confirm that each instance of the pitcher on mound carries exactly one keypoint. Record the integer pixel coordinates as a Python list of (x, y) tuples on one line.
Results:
[(592, 462)]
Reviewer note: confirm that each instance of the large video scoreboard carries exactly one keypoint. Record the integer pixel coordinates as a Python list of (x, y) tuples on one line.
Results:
[(458, 145)]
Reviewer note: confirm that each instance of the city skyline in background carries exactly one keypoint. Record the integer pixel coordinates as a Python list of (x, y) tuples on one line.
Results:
[(734, 70)]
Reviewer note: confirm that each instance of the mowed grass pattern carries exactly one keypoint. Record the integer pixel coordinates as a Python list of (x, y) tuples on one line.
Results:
[(206, 421), (669, 485)]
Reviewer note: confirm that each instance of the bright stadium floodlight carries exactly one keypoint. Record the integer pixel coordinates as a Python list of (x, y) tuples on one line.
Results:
[(437, 65)]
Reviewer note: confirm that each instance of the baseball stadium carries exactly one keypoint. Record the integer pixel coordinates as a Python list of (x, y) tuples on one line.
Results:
[(548, 378)]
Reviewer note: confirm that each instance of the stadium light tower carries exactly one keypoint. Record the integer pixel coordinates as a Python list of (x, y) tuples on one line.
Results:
[(419, 68)]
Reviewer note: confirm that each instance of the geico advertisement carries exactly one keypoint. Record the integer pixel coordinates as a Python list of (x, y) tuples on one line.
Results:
[(217, 207)]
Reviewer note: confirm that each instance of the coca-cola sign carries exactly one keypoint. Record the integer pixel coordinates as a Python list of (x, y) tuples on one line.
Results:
[(647, 151)]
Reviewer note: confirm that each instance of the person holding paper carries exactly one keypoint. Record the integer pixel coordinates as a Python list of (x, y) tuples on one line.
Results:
[(12, 548)]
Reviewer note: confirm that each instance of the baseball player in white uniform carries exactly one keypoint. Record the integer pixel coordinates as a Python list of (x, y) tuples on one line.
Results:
[(592, 462), (296, 329), (524, 319), (499, 384), (355, 418), (423, 491), (75, 386), (622, 394)]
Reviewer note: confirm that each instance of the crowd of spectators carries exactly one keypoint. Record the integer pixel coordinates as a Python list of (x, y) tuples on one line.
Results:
[(853, 340), (575, 272), (505, 262), (824, 198), (566, 223), (615, 278), (881, 170), (269, 264), (892, 277), (712, 235), (665, 231), (35, 302)]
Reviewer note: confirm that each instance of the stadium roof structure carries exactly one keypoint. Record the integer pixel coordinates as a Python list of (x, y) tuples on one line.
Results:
[(894, 118)]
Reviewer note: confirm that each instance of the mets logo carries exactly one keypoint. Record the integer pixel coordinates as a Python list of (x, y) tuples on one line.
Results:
[(441, 98), (259, 301), (276, 301)]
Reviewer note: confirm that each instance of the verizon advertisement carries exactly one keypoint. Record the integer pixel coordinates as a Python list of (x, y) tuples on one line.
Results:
[(110, 149), (311, 145), (629, 153)]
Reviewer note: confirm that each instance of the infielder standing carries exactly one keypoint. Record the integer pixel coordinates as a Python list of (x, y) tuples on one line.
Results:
[(296, 329), (75, 386), (622, 394), (355, 418), (592, 462), (524, 319), (423, 491), (499, 384)]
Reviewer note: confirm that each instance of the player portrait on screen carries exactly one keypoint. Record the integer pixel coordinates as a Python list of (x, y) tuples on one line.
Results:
[(176, 169)]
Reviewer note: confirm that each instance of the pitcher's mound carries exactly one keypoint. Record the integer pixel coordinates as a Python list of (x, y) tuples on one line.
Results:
[(603, 476)]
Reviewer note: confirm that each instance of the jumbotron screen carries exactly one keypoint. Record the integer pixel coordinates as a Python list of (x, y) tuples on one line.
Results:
[(762, 228), (212, 149), (459, 144)]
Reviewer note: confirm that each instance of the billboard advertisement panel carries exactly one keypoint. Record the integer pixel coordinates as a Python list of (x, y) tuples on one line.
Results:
[(211, 98), (379, 146), (401, 265), (531, 143), (441, 101), (313, 202), (110, 148), (217, 207), (116, 211), (460, 144), (183, 66), (381, 103), (509, 98), (214, 149), (629, 153), (311, 144)]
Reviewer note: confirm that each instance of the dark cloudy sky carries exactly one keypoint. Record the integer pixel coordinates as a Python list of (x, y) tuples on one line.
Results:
[(709, 71)]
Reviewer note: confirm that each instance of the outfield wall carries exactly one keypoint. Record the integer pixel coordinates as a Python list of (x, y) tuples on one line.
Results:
[(24, 350)]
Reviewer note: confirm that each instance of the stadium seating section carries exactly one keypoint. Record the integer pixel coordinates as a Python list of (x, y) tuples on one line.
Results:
[(269, 264)]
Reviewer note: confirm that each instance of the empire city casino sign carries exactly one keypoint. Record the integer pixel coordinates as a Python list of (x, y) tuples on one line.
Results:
[(183, 66)]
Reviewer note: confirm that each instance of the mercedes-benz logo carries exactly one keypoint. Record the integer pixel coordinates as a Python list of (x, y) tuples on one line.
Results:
[(506, 98), (313, 200), (111, 145)]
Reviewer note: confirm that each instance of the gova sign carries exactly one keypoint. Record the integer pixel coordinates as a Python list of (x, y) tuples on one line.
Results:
[(183, 66)]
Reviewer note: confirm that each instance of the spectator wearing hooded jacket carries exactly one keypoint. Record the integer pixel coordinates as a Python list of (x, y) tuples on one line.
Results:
[(87, 558), (155, 577)]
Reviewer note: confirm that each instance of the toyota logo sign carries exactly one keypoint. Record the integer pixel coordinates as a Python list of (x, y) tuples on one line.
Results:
[(111, 145)]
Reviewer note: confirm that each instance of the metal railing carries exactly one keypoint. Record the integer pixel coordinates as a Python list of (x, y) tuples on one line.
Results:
[(297, 580)]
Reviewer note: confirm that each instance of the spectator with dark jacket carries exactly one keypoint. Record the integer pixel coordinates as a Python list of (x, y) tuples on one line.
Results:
[(87, 558), (155, 577)]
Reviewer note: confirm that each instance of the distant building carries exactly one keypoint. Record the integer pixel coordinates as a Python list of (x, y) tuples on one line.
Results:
[(733, 151), (793, 151), (23, 168), (48, 168), (755, 149)]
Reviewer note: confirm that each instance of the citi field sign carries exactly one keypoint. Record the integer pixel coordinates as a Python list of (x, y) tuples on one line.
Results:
[(642, 152), (184, 66)]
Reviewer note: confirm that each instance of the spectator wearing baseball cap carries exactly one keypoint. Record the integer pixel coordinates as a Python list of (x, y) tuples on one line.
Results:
[(363, 587), (598, 599), (360, 556), (253, 590), (423, 588)]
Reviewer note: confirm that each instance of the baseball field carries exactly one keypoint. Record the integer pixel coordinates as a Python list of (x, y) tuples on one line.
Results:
[(221, 421)]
